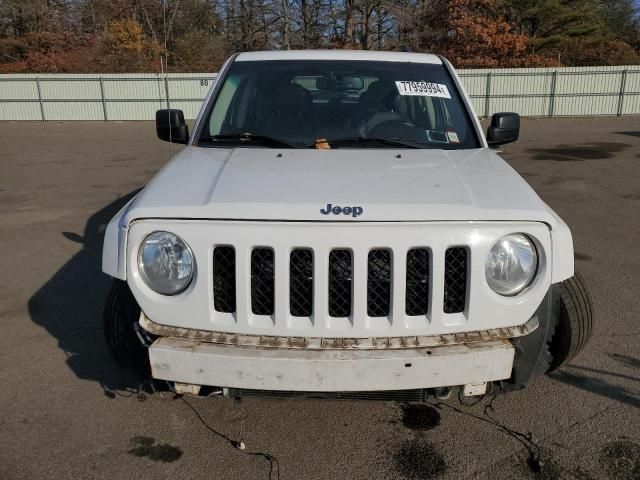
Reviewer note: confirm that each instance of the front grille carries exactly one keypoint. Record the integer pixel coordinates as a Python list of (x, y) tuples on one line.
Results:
[(301, 283), (224, 279), (340, 279), (262, 281), (379, 283), (455, 280), (340, 276), (417, 292)]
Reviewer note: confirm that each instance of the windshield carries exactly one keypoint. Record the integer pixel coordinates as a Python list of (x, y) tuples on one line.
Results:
[(338, 104)]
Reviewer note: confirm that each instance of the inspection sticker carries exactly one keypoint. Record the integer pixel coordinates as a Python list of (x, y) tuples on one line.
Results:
[(423, 89), (452, 137)]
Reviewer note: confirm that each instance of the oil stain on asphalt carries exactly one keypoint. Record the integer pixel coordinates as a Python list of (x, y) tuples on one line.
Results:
[(146, 447), (582, 257), (621, 460), (416, 458), (577, 153), (420, 417)]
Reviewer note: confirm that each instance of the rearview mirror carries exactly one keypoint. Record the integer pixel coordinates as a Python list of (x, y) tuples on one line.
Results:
[(505, 128), (352, 83), (171, 127), (339, 83)]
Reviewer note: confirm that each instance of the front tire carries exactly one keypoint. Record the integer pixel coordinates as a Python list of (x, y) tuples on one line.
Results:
[(575, 322), (121, 315)]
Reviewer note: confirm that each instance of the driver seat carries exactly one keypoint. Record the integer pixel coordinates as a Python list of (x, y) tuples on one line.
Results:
[(375, 106), (289, 112)]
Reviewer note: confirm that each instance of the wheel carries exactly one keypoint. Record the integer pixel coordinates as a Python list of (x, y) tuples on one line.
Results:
[(575, 322), (127, 342)]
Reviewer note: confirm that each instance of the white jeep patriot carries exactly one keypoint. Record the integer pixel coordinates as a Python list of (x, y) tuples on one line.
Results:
[(339, 223)]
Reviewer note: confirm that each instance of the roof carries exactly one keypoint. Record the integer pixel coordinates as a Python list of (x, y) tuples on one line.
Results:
[(353, 55)]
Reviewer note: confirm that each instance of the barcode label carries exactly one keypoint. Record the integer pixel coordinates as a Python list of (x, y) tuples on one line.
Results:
[(423, 89)]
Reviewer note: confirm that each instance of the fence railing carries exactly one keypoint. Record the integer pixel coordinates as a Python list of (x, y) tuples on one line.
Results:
[(585, 91), (100, 97)]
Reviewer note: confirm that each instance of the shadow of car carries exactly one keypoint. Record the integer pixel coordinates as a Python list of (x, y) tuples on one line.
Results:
[(70, 304)]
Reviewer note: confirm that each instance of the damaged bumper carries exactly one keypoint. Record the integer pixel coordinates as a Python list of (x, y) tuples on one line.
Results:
[(310, 364), (331, 370), (512, 355)]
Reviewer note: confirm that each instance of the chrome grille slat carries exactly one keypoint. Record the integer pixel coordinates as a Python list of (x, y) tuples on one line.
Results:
[(417, 286), (301, 282), (379, 283), (340, 283), (224, 279), (455, 280), (262, 281)]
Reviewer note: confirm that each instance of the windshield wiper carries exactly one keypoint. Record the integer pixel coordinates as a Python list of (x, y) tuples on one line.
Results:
[(250, 138), (391, 141)]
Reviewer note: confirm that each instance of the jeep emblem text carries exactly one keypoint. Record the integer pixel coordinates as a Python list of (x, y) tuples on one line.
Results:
[(337, 210)]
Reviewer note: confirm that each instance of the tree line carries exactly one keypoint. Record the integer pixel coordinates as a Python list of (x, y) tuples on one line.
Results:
[(197, 35)]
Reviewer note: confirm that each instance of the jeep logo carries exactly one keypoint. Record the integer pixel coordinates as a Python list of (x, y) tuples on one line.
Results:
[(337, 210)]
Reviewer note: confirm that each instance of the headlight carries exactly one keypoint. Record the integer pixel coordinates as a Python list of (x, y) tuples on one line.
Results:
[(511, 264), (166, 263)]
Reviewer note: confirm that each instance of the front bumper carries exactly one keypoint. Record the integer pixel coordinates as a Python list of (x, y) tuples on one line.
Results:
[(203, 363)]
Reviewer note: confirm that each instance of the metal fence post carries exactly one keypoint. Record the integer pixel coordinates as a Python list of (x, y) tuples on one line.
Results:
[(166, 90), (487, 95), (40, 99), (552, 98), (623, 86), (104, 103)]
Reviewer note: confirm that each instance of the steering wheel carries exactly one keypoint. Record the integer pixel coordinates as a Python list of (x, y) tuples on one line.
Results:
[(401, 128)]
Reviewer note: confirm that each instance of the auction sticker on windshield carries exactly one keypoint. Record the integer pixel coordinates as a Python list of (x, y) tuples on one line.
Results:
[(423, 89)]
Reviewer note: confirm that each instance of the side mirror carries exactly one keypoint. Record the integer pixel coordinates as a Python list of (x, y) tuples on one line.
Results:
[(171, 127), (505, 128)]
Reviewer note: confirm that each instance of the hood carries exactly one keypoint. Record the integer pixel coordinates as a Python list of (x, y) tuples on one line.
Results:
[(339, 185)]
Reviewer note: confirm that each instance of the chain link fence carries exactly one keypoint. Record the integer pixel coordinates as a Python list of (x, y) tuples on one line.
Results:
[(550, 92)]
